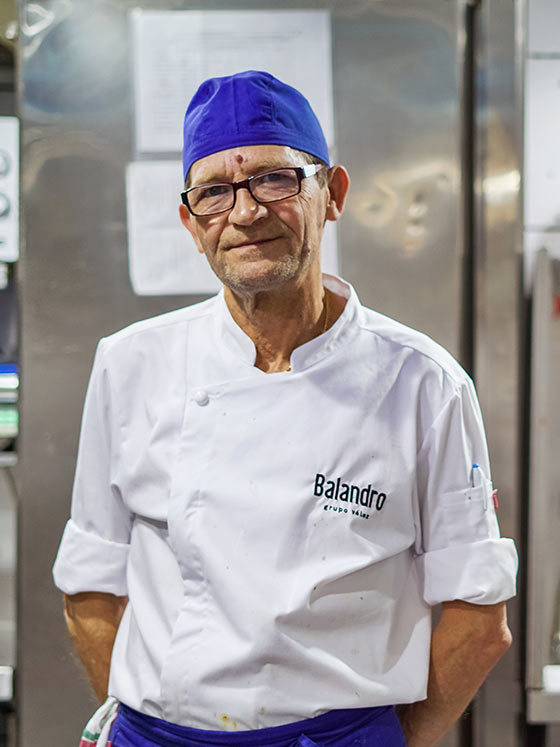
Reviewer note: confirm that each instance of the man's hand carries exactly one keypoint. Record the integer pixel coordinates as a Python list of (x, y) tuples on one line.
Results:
[(467, 642), (93, 619)]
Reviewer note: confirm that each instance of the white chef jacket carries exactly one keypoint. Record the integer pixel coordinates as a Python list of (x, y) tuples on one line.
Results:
[(280, 537)]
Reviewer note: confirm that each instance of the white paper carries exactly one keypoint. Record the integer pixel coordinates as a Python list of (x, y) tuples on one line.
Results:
[(174, 51), (544, 22), (9, 189), (163, 258), (542, 145)]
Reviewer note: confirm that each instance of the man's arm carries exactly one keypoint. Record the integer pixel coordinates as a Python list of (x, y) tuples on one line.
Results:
[(467, 642), (93, 619)]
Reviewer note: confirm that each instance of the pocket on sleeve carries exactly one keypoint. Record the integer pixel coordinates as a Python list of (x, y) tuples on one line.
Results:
[(469, 514)]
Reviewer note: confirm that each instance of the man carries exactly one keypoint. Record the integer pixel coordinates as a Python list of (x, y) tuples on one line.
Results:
[(277, 484)]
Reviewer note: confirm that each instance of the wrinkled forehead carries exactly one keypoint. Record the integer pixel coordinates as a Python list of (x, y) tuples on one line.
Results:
[(236, 163)]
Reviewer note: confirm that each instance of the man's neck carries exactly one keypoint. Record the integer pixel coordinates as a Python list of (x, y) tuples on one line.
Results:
[(280, 321)]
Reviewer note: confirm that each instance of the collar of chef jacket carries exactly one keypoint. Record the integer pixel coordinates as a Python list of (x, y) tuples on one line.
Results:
[(310, 352)]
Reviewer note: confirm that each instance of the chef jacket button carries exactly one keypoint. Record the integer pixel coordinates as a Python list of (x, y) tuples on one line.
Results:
[(201, 397)]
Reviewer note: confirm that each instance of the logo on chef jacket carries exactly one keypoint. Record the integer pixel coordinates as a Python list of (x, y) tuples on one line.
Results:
[(344, 498)]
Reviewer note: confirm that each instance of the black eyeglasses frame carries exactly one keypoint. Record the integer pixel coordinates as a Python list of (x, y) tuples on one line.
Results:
[(302, 172)]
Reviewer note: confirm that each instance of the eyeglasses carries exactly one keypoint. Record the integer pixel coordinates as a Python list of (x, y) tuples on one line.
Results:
[(270, 186)]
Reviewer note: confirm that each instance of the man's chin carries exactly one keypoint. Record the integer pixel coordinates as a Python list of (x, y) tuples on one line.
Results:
[(258, 276)]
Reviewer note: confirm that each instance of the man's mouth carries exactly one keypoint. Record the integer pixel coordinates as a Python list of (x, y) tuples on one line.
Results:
[(251, 242)]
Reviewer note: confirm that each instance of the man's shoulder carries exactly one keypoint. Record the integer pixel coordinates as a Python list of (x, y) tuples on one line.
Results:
[(395, 337), (171, 322)]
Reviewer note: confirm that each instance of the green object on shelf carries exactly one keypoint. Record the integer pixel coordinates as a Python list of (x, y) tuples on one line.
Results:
[(9, 421)]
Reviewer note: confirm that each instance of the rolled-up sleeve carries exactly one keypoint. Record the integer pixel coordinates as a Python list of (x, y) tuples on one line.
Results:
[(460, 554), (93, 552)]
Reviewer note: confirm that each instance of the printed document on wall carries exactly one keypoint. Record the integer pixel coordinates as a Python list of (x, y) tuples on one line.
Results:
[(163, 258), (174, 51)]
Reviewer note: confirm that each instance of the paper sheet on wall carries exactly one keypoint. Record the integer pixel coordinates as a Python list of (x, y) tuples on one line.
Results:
[(174, 51), (163, 259)]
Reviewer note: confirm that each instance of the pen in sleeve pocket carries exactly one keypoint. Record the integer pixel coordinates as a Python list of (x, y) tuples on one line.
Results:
[(477, 480)]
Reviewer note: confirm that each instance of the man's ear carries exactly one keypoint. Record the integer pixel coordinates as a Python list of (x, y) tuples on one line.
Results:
[(187, 221), (338, 184)]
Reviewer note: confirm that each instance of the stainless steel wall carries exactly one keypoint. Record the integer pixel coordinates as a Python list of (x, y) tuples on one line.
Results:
[(398, 88)]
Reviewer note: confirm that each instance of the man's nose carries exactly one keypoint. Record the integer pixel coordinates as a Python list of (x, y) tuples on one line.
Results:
[(246, 209)]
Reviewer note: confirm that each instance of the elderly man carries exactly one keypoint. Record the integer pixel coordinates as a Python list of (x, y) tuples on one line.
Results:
[(277, 484)]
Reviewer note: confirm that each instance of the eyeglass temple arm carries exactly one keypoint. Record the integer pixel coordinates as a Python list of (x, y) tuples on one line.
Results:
[(311, 168)]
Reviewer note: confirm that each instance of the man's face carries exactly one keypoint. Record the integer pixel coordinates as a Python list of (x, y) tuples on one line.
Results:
[(258, 247)]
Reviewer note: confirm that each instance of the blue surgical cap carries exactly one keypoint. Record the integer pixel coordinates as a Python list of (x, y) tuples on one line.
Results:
[(250, 108)]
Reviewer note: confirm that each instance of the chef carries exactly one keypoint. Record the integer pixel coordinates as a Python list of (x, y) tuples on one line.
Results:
[(276, 485)]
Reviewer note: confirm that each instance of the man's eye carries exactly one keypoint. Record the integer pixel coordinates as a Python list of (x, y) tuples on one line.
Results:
[(274, 177), (214, 190)]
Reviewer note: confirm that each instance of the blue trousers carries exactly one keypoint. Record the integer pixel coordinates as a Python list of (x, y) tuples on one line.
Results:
[(358, 727)]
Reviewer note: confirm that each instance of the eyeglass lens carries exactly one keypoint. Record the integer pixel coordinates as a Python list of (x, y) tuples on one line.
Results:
[(269, 187)]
